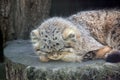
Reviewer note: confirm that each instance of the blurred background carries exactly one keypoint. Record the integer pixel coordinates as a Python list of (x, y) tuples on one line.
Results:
[(19, 17), (69, 7)]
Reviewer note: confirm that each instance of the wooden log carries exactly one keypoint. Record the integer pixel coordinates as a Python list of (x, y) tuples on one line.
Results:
[(22, 64), (19, 17), (2, 71)]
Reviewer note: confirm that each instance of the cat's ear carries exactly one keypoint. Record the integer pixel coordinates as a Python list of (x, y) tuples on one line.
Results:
[(34, 33), (69, 33)]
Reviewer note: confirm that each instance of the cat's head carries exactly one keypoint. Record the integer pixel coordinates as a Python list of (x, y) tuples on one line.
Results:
[(54, 35)]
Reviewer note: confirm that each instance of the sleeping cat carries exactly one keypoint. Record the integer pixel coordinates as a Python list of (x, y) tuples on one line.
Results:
[(83, 36)]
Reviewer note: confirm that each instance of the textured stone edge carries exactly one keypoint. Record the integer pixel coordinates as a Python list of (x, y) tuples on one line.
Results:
[(107, 71)]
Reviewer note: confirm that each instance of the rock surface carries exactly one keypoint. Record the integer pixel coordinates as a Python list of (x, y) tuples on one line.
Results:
[(23, 64)]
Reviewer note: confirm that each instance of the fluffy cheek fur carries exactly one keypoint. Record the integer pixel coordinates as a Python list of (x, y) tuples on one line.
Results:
[(65, 56), (55, 56), (114, 57)]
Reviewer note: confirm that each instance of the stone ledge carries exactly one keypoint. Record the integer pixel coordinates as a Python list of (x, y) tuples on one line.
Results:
[(23, 64)]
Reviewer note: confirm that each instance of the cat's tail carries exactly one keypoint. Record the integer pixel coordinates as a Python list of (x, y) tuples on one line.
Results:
[(114, 57), (107, 53)]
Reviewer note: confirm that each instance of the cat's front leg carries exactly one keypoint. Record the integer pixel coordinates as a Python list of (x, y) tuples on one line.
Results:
[(71, 57), (43, 58)]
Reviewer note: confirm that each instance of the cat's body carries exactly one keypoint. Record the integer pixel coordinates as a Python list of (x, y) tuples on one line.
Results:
[(99, 23), (72, 39)]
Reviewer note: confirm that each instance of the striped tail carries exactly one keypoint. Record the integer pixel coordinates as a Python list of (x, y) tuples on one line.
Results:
[(114, 57)]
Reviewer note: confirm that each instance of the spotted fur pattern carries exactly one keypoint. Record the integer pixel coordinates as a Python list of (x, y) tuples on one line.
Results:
[(83, 36)]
